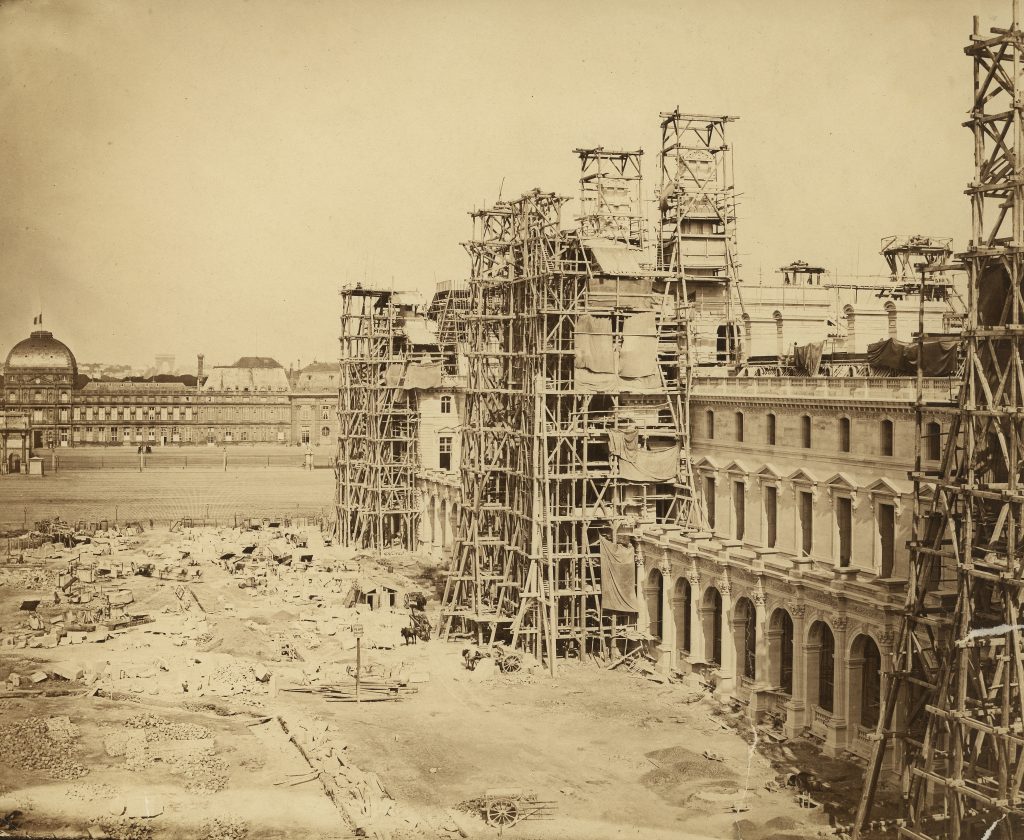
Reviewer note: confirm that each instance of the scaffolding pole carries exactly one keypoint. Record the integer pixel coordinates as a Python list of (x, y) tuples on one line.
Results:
[(953, 709)]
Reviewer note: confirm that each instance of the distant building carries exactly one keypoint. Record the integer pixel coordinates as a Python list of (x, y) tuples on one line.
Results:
[(314, 402), (39, 377), (15, 441), (250, 401)]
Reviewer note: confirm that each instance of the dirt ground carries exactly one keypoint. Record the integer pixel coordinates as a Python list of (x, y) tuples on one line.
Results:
[(199, 723)]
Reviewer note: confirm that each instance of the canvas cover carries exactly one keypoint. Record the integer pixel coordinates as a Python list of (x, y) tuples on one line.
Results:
[(618, 578)]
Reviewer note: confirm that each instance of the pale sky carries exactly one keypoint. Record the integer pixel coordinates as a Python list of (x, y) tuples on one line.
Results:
[(192, 176)]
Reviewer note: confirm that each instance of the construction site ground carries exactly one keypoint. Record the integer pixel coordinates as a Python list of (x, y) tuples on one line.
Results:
[(99, 736)]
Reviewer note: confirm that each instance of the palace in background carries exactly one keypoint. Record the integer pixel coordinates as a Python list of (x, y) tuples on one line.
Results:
[(46, 403)]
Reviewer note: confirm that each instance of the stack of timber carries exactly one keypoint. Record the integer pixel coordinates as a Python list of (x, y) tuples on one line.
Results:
[(370, 691)]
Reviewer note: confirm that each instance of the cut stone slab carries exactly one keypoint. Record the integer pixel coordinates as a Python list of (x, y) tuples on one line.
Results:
[(38, 676), (67, 671)]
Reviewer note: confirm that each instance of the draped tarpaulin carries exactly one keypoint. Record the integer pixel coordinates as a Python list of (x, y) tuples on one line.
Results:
[(638, 464), (618, 578), (423, 375), (588, 382), (807, 357), (393, 375), (639, 355), (939, 356), (594, 349)]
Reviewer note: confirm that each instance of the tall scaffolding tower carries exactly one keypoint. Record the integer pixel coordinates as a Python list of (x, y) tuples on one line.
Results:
[(542, 484), (697, 225), (954, 710), (377, 453), (610, 193)]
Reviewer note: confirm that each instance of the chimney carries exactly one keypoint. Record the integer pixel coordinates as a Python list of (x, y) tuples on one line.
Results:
[(199, 371)]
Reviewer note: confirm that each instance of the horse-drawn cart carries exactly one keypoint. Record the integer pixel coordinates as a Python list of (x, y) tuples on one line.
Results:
[(504, 807)]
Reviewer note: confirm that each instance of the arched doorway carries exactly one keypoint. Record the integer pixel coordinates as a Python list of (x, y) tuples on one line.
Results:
[(712, 625), (14, 463), (655, 593), (745, 638), (780, 650), (681, 613), (821, 659), (865, 681)]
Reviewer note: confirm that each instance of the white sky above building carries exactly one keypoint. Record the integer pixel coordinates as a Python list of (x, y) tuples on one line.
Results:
[(195, 176)]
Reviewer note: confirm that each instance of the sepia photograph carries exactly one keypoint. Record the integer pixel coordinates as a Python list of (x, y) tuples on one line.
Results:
[(450, 420)]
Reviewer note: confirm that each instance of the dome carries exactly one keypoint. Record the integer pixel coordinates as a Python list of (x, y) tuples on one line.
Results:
[(41, 351)]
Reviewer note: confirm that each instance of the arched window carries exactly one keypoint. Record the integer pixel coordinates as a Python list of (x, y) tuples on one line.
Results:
[(748, 649), (713, 625), (739, 426), (821, 635), (886, 443), (325, 431), (890, 312), (933, 441), (655, 592), (709, 424), (782, 652), (844, 434), (805, 431), (871, 683), (681, 613), (770, 429)]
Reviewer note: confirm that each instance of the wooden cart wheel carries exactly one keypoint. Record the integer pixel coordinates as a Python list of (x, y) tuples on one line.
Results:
[(502, 813), (511, 663)]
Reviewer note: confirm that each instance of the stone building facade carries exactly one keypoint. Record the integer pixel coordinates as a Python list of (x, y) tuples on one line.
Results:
[(253, 401), (39, 378)]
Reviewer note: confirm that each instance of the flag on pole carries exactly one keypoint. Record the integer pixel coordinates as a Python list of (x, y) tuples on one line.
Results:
[(38, 319)]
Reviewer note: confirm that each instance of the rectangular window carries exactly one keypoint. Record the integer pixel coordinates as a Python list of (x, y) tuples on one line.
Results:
[(771, 515), (709, 425), (805, 431), (709, 500), (806, 523), (844, 524), (446, 404), (887, 538), (739, 509), (770, 436), (444, 452), (739, 426)]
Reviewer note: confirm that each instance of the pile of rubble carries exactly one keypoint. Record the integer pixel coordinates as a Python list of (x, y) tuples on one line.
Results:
[(45, 744), (186, 749), (225, 828)]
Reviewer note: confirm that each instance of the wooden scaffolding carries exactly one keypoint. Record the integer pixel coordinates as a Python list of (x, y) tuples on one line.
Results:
[(542, 486), (953, 712), (377, 453)]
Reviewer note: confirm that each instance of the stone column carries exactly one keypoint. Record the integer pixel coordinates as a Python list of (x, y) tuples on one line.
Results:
[(836, 738), (644, 616), (436, 535), (763, 678), (697, 649), (727, 677), (886, 645), (667, 660), (796, 709)]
